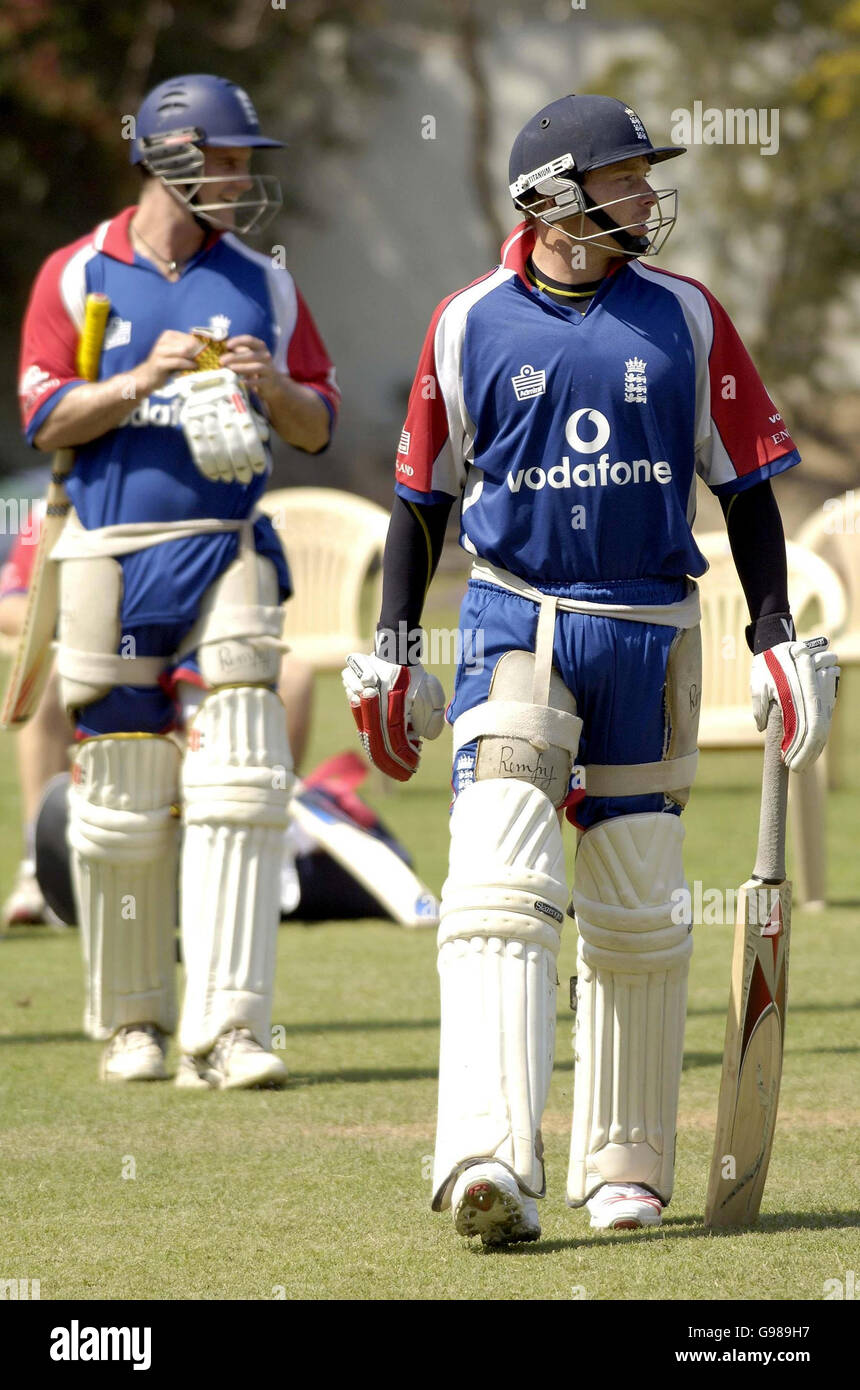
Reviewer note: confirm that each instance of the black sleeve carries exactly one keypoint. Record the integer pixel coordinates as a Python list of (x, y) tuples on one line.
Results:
[(412, 551), (758, 547)]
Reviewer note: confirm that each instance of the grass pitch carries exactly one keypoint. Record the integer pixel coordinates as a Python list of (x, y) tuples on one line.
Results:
[(322, 1191)]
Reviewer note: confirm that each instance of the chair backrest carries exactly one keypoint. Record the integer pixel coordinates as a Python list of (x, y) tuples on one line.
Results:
[(817, 602), (833, 533), (333, 540)]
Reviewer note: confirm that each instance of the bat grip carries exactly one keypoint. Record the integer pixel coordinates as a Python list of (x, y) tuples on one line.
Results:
[(770, 858)]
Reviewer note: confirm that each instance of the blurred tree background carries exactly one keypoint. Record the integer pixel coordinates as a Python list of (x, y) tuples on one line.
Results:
[(776, 236)]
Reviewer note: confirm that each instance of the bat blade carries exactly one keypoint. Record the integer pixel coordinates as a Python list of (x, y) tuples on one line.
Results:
[(752, 1057), (755, 1029), (34, 657)]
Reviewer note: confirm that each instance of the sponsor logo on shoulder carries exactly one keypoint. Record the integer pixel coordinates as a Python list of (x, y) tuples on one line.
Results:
[(405, 441), (117, 333), (529, 383), (549, 911), (35, 382)]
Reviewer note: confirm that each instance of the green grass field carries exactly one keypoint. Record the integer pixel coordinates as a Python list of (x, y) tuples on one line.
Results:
[(322, 1191)]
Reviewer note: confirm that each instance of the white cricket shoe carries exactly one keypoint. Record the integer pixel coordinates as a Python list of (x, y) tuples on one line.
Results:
[(624, 1206), (236, 1062), (135, 1053), (487, 1202)]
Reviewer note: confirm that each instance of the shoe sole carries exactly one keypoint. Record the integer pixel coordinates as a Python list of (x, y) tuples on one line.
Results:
[(259, 1083), (494, 1214), (117, 1076), (210, 1079)]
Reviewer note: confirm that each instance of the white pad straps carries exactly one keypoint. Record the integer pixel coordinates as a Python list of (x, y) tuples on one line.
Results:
[(237, 779), (542, 725), (109, 668), (123, 836), (633, 961), (502, 911)]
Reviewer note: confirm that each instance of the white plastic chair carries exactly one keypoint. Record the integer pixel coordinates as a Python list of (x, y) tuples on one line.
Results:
[(333, 541), (833, 533), (818, 603)]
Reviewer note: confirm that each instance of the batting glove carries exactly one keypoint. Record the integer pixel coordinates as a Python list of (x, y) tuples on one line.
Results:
[(224, 434), (802, 677), (394, 707)]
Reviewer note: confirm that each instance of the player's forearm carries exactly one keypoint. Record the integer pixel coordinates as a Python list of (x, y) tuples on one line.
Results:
[(412, 551), (91, 410), (757, 540), (298, 415)]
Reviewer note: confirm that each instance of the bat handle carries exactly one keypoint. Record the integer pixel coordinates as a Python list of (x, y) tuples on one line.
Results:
[(770, 859)]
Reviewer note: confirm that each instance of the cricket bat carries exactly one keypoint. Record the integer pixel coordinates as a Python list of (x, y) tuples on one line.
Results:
[(32, 662), (369, 860), (752, 1059)]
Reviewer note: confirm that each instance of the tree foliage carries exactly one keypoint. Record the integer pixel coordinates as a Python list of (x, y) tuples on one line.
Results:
[(779, 231), (780, 228), (70, 73)]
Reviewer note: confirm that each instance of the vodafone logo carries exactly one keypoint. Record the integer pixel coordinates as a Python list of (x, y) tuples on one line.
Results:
[(153, 412), (599, 474), (587, 432), (597, 428)]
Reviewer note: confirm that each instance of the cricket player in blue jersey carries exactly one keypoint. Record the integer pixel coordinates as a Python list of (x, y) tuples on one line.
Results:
[(171, 582), (568, 399)]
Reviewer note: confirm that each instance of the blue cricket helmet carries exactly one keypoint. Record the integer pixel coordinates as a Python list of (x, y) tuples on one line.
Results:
[(566, 141), (219, 108), (593, 130)]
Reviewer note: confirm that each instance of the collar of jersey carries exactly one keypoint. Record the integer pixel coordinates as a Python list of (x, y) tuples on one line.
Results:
[(516, 251), (112, 238)]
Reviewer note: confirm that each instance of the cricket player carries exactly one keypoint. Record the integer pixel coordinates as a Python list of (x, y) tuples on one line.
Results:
[(171, 583), (567, 400)]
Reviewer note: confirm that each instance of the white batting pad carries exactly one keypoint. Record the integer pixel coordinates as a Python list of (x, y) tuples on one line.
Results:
[(123, 835), (633, 962), (502, 911), (237, 779)]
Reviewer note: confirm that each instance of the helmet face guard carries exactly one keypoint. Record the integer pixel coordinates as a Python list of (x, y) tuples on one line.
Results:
[(176, 158), (561, 196)]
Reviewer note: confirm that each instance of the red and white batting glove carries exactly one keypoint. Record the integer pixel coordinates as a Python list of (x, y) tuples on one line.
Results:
[(394, 707), (802, 677)]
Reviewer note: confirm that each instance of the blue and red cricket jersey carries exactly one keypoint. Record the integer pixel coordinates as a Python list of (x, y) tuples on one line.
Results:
[(575, 440)]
